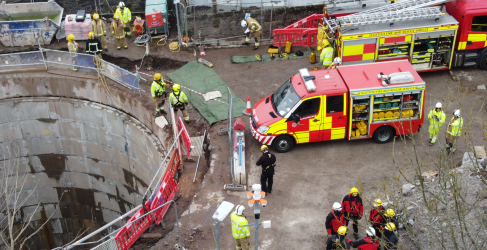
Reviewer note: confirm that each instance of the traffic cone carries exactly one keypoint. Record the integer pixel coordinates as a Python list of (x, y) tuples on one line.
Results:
[(248, 110)]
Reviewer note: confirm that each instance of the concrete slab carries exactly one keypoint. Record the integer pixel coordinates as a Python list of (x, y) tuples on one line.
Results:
[(10, 131)]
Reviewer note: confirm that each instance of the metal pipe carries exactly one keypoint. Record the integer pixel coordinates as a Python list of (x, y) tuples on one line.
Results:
[(106, 226), (230, 132), (270, 23), (217, 234), (201, 152)]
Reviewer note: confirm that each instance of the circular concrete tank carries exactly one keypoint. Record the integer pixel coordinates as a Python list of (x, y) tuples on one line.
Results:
[(89, 158)]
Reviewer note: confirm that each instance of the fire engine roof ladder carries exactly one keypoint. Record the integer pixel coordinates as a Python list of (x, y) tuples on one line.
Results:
[(385, 17), (403, 5), (353, 3)]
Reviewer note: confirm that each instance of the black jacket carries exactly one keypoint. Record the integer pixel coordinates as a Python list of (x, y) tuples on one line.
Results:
[(268, 162), (336, 242), (93, 46), (391, 240)]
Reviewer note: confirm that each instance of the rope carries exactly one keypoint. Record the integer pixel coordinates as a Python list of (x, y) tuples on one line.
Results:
[(164, 39), (258, 57), (284, 56), (102, 81), (174, 47)]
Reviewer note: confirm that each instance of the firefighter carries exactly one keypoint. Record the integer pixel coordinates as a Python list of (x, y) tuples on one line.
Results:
[(267, 161), (376, 217), (126, 16), (73, 48), (158, 91), (336, 62), (437, 118), (253, 30), (326, 56), (239, 232), (338, 241), (98, 27), (117, 31), (454, 131), (390, 216), (179, 101), (369, 242), (335, 219), (93, 46), (352, 203), (390, 234)]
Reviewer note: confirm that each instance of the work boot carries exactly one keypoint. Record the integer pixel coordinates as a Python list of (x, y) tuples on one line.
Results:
[(255, 48), (245, 43), (163, 112), (355, 235)]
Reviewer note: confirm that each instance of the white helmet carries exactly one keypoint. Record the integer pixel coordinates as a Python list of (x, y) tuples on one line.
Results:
[(456, 112), (438, 105), (243, 23), (121, 5), (370, 231), (337, 60), (240, 210), (337, 206)]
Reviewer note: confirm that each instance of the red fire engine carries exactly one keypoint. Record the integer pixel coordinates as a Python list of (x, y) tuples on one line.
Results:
[(352, 102), (425, 36)]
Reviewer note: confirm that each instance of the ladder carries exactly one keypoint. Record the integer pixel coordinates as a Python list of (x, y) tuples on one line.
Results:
[(385, 17), (403, 5), (333, 4)]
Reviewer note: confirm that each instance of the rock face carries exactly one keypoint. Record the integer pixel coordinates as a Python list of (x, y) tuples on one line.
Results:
[(407, 189)]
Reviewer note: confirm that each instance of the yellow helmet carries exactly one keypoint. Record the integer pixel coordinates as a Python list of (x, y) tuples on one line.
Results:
[(70, 37), (390, 213), (157, 76), (264, 147), (377, 203), (354, 191), (96, 16), (176, 87), (390, 226), (115, 16), (342, 230), (91, 35), (320, 48), (325, 43)]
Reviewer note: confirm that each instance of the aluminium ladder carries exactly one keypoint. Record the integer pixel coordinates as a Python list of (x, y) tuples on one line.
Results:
[(403, 5), (385, 17)]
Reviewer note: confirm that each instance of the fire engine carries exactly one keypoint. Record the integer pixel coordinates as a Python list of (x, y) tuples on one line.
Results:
[(352, 102), (429, 38)]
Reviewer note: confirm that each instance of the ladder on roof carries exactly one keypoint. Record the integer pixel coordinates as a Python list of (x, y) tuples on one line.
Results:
[(403, 5), (353, 3), (385, 17)]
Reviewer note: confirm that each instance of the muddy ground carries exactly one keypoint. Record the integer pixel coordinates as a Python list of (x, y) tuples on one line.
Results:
[(310, 177)]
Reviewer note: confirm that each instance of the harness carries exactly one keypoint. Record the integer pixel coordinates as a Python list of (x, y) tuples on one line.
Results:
[(159, 92), (178, 103), (96, 46)]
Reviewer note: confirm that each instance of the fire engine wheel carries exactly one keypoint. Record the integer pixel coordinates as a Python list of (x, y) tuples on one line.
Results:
[(483, 62), (383, 134), (283, 143)]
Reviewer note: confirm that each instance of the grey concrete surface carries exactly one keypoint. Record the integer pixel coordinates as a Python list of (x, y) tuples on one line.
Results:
[(89, 154)]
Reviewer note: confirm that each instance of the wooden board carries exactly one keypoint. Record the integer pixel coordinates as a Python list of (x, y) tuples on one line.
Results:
[(479, 152)]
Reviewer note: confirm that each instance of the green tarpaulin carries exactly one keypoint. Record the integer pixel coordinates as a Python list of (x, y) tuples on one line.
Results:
[(267, 57), (200, 78)]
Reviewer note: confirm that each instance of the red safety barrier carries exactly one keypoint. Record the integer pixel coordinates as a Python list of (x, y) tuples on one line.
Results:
[(299, 37), (309, 22), (167, 191), (172, 165), (130, 233)]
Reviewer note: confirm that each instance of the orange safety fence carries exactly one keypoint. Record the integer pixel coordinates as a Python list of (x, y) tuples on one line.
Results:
[(308, 22), (173, 164), (167, 191), (130, 233), (306, 37)]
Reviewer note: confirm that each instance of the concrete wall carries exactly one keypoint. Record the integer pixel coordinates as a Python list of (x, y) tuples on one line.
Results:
[(94, 159)]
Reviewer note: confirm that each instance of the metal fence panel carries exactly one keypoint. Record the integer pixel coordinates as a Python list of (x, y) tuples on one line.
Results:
[(120, 75), (107, 245), (22, 60), (64, 59)]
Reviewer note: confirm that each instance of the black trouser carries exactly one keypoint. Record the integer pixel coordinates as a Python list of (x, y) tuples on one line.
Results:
[(355, 226), (378, 232), (266, 181)]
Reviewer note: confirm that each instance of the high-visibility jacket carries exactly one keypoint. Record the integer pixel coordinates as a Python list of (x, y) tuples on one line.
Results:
[(238, 229), (439, 115), (125, 15), (326, 56), (117, 29), (157, 89), (253, 25), (93, 46), (456, 126), (73, 46), (178, 99), (98, 27)]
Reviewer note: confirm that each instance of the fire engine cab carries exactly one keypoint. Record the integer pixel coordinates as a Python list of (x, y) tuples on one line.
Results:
[(352, 102)]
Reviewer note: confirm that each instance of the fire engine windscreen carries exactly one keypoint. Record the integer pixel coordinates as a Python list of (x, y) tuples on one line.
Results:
[(285, 98)]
